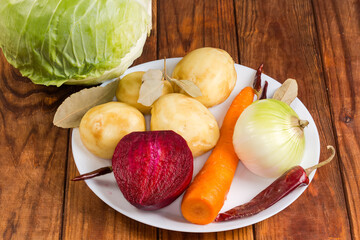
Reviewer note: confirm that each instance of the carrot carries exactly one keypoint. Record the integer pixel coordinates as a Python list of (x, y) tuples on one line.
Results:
[(206, 194)]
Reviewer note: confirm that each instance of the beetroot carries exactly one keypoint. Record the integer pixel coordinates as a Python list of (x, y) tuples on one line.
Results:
[(151, 168)]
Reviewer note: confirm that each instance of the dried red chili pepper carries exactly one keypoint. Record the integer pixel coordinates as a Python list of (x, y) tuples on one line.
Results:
[(282, 186), (264, 91), (257, 80), (257, 84)]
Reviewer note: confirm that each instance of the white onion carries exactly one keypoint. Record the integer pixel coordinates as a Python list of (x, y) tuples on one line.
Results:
[(269, 138)]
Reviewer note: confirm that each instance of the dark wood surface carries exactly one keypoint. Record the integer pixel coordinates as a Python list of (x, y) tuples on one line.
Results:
[(315, 41)]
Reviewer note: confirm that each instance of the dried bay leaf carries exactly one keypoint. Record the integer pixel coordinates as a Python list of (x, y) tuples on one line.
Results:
[(188, 86), (151, 88), (152, 75), (70, 112), (153, 83), (150, 91), (287, 92)]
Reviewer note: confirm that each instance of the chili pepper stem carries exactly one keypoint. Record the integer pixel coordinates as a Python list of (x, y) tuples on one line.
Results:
[(98, 172), (310, 169)]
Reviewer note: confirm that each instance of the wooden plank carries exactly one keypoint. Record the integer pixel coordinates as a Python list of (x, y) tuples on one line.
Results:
[(239, 234), (283, 36), (88, 217), (33, 160), (85, 215), (338, 25), (219, 26), (150, 49), (180, 27), (185, 26)]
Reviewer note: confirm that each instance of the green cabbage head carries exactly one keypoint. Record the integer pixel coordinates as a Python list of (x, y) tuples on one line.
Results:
[(55, 42)]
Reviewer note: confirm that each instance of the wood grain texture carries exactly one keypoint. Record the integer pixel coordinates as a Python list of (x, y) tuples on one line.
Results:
[(338, 25), (181, 27), (239, 234), (282, 35), (33, 157), (314, 41), (86, 216), (185, 26)]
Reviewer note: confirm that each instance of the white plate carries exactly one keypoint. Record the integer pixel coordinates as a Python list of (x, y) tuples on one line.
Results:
[(245, 184)]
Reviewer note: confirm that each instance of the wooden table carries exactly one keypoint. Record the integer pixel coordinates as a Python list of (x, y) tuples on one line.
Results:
[(315, 41)]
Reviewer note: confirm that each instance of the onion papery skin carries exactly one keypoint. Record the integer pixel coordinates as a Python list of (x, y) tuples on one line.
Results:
[(268, 138)]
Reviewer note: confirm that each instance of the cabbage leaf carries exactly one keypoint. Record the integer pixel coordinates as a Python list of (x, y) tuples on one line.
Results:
[(73, 42)]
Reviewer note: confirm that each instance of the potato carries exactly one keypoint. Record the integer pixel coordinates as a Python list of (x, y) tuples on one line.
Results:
[(129, 87), (103, 126), (187, 117), (212, 70)]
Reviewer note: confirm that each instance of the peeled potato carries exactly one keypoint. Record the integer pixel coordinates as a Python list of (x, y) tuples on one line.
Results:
[(187, 117), (129, 87), (212, 70), (103, 126)]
